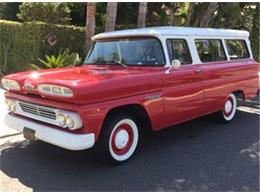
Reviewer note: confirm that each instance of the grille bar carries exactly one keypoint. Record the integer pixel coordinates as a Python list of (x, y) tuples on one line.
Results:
[(37, 110)]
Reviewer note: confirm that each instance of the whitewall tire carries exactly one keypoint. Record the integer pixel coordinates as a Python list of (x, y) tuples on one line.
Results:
[(229, 109), (123, 140), (119, 138)]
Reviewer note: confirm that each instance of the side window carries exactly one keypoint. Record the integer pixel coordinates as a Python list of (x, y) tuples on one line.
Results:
[(210, 50), (237, 49), (178, 49)]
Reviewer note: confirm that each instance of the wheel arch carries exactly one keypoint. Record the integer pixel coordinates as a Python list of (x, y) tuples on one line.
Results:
[(137, 111), (239, 94)]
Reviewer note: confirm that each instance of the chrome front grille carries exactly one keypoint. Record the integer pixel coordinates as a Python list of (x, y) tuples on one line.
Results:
[(37, 110)]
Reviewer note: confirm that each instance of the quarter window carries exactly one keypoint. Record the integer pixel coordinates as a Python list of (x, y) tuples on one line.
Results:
[(210, 50), (237, 49), (178, 49)]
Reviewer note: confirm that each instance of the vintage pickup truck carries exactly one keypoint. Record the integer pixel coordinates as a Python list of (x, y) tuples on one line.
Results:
[(133, 79)]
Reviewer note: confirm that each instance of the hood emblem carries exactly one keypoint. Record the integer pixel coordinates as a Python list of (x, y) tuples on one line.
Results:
[(29, 87)]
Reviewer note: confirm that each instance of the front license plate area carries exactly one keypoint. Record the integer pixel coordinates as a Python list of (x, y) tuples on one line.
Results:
[(29, 133)]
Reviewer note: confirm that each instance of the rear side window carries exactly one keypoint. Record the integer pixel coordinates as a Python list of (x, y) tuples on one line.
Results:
[(178, 49), (237, 49), (210, 50)]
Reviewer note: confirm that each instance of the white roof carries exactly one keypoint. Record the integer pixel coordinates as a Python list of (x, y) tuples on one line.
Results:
[(170, 30)]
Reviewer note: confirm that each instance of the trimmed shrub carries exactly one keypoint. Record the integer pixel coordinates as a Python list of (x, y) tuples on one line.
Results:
[(22, 43), (53, 13)]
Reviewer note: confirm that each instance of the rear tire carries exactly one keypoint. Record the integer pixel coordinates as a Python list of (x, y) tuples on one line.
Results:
[(118, 138), (229, 110)]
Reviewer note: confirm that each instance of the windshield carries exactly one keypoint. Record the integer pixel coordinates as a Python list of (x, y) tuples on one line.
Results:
[(127, 51)]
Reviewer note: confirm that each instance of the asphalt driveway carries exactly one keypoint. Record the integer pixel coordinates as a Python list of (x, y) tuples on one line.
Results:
[(200, 155)]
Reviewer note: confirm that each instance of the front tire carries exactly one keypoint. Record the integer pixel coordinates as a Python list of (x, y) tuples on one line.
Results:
[(118, 139)]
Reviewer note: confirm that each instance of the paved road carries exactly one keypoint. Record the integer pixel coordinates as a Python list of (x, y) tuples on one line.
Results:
[(200, 155)]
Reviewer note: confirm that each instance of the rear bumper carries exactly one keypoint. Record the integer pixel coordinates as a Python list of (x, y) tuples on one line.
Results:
[(52, 135)]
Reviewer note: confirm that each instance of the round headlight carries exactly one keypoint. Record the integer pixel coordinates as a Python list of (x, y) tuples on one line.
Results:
[(62, 119), (9, 105), (12, 108), (69, 122)]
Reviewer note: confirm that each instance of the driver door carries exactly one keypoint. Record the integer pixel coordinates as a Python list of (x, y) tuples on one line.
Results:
[(182, 89)]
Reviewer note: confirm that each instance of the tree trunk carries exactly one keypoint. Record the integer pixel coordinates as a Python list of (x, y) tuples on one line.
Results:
[(203, 7), (90, 24), (212, 7), (255, 35), (111, 16), (190, 12), (170, 12), (142, 14), (231, 13)]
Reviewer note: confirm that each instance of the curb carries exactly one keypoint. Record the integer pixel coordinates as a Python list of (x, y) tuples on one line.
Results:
[(10, 135)]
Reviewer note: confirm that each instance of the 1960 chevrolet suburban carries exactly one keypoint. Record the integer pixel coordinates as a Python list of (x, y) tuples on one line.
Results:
[(131, 79)]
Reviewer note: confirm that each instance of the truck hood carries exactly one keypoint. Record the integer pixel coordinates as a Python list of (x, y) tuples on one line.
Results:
[(89, 83)]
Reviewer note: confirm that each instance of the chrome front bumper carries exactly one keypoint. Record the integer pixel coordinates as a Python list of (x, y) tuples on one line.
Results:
[(52, 135)]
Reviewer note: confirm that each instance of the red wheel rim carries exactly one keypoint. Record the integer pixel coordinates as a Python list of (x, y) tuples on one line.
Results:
[(125, 149), (227, 114)]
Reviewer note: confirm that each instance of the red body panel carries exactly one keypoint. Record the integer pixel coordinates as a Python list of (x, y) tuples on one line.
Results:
[(168, 99), (183, 93)]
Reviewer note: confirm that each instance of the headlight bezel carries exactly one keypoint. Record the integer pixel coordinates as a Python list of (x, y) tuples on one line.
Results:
[(10, 84), (55, 90), (72, 121)]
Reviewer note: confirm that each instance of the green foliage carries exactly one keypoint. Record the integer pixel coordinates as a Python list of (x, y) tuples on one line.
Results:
[(156, 16), (78, 13), (22, 43), (64, 59), (8, 11), (54, 13), (123, 17), (242, 16)]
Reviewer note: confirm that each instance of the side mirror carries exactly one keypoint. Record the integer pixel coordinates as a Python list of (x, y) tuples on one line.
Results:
[(174, 65)]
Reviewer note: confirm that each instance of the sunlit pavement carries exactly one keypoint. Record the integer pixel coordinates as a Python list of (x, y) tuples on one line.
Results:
[(8, 138), (4, 130), (199, 155)]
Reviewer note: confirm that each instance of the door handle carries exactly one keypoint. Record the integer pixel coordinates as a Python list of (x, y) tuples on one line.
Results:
[(197, 70)]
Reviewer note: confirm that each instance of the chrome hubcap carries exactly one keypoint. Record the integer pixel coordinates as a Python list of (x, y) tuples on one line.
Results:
[(228, 106), (121, 139)]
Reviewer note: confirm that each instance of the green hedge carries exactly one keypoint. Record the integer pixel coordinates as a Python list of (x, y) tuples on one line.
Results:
[(22, 43)]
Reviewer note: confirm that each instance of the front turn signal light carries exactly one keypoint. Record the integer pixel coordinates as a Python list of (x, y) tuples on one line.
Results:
[(55, 90)]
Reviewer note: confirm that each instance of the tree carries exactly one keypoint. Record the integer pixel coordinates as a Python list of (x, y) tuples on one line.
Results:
[(78, 13), (90, 23), (55, 13), (8, 11), (111, 16), (231, 14), (205, 14), (189, 14), (255, 35), (205, 19), (142, 14)]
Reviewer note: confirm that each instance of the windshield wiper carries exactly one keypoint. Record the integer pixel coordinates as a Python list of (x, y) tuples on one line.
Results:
[(97, 62), (116, 62), (111, 62)]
